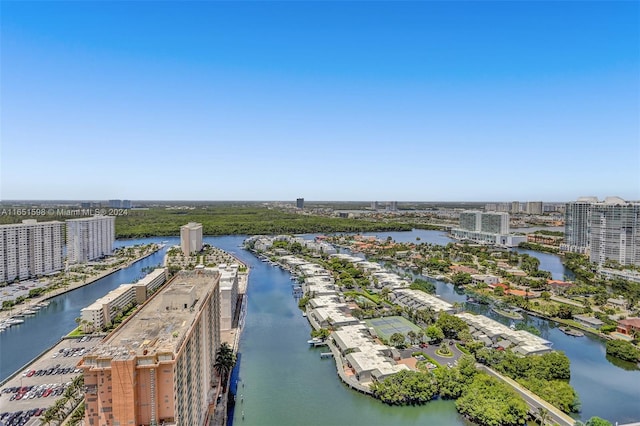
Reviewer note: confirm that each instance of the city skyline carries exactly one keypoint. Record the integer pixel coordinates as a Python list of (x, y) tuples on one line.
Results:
[(487, 101)]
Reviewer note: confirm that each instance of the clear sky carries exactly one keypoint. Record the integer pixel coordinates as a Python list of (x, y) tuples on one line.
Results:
[(406, 101)]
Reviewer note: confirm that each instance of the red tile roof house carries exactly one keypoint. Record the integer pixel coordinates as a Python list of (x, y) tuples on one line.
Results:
[(628, 326), (558, 286)]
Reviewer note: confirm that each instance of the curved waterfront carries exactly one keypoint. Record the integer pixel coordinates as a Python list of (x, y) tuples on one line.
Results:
[(23, 342), (286, 382)]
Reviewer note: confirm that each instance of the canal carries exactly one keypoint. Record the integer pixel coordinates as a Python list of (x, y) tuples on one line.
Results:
[(286, 382)]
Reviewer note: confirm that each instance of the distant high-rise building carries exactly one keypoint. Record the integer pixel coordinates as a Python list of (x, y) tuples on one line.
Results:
[(126, 204), (90, 238), (576, 225), (300, 203), (515, 207), (470, 220), (495, 223), (486, 227), (158, 367), (615, 231), (85, 205), (30, 249), (534, 207), (393, 206), (115, 204), (191, 238), (374, 205)]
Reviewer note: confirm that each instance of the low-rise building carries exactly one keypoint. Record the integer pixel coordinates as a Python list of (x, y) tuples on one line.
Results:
[(493, 333), (629, 326), (588, 321), (417, 299), (483, 278)]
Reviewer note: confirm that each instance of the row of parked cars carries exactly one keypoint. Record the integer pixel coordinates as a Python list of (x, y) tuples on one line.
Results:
[(70, 352), (36, 391), (52, 370), (19, 418)]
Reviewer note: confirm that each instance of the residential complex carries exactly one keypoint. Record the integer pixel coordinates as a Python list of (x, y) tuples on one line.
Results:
[(90, 238), (101, 312), (615, 232), (30, 249), (157, 368), (228, 294), (191, 238), (300, 203), (486, 228), (492, 333), (604, 230), (534, 207), (576, 225)]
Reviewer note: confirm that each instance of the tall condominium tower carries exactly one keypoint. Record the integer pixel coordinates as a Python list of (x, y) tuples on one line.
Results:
[(470, 220), (300, 203), (90, 238), (534, 207), (615, 232), (29, 249), (158, 367), (576, 224), (495, 223), (191, 238)]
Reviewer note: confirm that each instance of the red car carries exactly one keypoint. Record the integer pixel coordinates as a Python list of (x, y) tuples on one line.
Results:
[(31, 373), (424, 345)]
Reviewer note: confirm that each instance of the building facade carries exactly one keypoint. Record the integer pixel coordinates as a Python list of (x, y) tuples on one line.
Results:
[(90, 238), (191, 238), (300, 203), (576, 225), (615, 232), (157, 368), (534, 207), (30, 249)]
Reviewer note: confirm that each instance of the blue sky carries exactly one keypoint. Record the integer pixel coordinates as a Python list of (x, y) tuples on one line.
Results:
[(402, 101)]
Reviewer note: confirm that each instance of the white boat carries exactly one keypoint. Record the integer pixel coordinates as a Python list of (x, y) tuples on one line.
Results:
[(28, 312), (13, 321)]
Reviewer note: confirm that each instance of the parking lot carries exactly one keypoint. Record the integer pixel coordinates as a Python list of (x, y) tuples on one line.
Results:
[(26, 395)]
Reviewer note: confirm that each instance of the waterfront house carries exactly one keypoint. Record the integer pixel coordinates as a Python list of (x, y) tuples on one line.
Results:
[(559, 287), (588, 321), (629, 326)]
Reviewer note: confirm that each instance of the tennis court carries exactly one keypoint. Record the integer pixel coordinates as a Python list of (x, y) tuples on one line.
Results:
[(386, 326)]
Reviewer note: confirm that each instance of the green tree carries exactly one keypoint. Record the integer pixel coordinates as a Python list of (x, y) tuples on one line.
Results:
[(412, 336), (597, 421), (434, 333), (224, 362), (488, 401), (451, 325), (406, 387), (623, 350), (397, 340)]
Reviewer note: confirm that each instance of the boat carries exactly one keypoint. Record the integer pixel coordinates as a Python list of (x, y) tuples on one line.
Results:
[(314, 341), (571, 332), (14, 321), (28, 312)]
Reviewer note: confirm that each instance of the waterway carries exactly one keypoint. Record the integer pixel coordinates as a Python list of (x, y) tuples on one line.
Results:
[(286, 382), (23, 342)]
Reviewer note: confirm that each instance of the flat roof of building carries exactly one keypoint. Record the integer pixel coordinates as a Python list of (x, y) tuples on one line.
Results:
[(157, 328), (406, 295)]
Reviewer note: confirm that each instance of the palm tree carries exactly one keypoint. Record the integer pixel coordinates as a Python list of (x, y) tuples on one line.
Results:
[(543, 414), (225, 359), (412, 336)]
